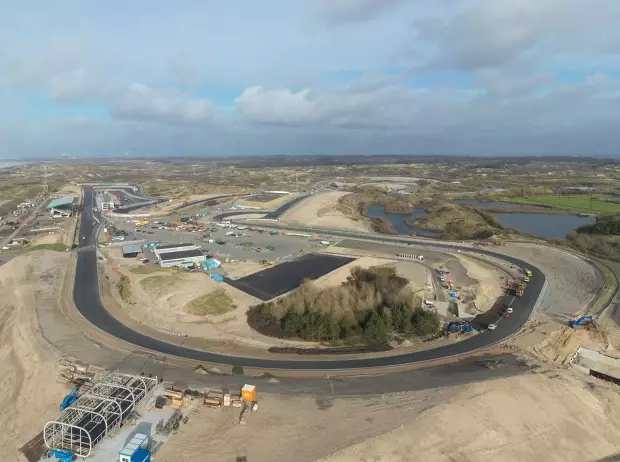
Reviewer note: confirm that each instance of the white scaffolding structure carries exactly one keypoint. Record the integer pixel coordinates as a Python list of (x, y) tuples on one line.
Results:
[(99, 411)]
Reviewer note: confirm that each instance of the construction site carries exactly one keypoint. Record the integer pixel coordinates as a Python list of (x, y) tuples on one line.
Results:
[(127, 418), (146, 344)]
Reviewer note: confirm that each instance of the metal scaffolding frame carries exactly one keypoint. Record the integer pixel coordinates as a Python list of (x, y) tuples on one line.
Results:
[(99, 411)]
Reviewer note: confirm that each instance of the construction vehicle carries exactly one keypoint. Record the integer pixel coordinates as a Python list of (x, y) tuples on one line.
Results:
[(517, 287), (71, 398), (520, 289), (459, 326), (584, 321)]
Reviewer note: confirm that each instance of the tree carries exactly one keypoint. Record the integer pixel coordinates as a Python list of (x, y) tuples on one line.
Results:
[(424, 322), (401, 317), (375, 330)]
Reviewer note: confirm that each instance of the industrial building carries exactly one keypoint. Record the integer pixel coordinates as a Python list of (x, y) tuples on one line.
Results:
[(61, 207), (99, 412), (167, 248), (132, 250), (180, 258)]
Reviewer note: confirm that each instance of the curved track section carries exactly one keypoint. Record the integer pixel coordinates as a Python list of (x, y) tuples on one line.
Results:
[(88, 302)]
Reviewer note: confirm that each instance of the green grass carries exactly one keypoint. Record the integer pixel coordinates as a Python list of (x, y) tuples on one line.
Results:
[(160, 285), (58, 247), (383, 270), (124, 288), (579, 203), (214, 303), (146, 269)]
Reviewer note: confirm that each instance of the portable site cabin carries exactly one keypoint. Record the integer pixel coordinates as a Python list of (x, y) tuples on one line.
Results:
[(136, 450), (248, 392)]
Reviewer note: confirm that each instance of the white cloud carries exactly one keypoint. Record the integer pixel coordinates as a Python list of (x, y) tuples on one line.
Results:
[(139, 102), (482, 34), (337, 12)]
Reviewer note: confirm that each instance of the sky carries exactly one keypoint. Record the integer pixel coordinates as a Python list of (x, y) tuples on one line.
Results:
[(309, 77)]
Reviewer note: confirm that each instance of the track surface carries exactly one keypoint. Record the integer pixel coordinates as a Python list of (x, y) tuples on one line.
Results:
[(88, 302), (278, 280)]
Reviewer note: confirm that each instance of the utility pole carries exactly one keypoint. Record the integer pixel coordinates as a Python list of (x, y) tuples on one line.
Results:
[(45, 185)]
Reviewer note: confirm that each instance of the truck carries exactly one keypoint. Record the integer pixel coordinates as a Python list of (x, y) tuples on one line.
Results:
[(520, 289)]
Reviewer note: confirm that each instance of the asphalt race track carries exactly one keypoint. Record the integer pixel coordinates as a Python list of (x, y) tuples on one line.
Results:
[(278, 280), (88, 302)]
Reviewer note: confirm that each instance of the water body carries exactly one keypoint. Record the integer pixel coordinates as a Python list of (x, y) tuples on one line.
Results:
[(10, 163), (548, 226), (544, 225), (479, 203), (398, 221)]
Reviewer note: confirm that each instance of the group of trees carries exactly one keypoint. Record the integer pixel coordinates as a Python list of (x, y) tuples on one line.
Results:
[(378, 311)]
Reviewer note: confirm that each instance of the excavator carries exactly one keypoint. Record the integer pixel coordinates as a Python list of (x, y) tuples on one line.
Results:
[(584, 321), (71, 398)]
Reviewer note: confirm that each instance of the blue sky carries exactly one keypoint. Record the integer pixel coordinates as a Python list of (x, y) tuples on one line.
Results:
[(501, 77)]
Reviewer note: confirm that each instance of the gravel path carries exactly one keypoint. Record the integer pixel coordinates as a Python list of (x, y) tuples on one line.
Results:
[(573, 282)]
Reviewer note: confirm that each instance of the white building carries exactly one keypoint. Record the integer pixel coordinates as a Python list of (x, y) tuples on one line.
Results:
[(180, 258)]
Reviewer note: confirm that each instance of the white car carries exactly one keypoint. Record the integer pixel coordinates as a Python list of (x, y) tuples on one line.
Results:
[(492, 326), (509, 310)]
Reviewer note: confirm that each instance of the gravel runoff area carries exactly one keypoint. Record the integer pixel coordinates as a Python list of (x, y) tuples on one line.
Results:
[(272, 282)]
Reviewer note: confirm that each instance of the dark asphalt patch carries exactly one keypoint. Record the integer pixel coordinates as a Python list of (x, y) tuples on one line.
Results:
[(278, 280)]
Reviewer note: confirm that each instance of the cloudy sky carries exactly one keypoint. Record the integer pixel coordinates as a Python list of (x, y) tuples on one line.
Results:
[(248, 77)]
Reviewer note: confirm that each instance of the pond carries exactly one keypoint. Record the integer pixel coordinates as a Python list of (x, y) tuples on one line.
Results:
[(545, 225), (398, 221)]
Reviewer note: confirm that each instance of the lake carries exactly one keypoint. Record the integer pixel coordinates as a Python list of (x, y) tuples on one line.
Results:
[(544, 225), (398, 220)]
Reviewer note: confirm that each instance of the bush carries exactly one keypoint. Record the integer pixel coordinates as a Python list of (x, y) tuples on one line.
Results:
[(425, 322)]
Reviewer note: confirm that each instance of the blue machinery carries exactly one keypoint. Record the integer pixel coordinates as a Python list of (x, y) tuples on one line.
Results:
[(583, 321), (71, 398)]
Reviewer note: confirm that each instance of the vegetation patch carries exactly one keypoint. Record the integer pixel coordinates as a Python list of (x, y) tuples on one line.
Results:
[(214, 303), (458, 222), (143, 269), (124, 288), (56, 247), (367, 309), (160, 285)]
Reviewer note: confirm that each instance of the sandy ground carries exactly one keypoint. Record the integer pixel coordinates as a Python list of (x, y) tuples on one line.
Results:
[(340, 275), (479, 283), (572, 281), (163, 306), (29, 393), (487, 288), (550, 417), (320, 211)]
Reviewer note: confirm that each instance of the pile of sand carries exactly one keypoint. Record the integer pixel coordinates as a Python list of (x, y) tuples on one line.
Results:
[(320, 211), (29, 393)]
